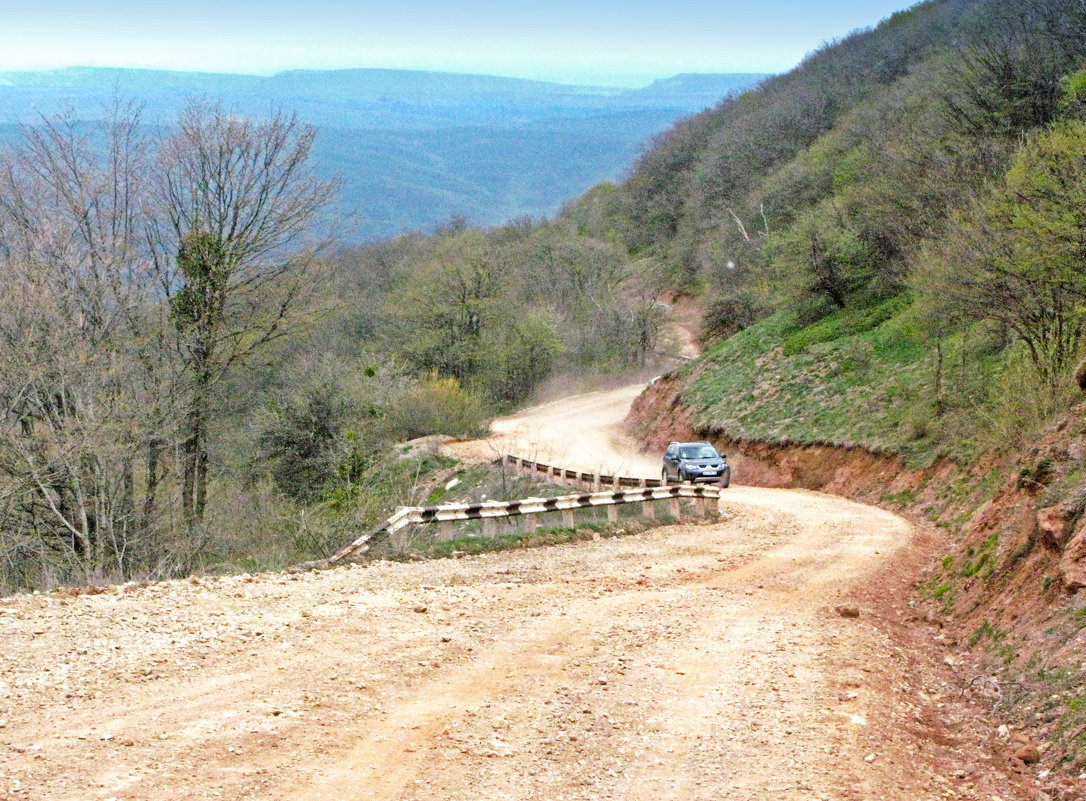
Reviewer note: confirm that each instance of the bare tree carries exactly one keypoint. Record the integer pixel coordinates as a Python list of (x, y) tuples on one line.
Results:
[(76, 409), (1007, 80), (134, 280), (233, 240)]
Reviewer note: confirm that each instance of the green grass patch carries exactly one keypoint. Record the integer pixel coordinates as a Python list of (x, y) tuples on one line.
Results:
[(903, 498), (980, 560), (858, 389), (846, 322), (874, 377), (1077, 614), (995, 642)]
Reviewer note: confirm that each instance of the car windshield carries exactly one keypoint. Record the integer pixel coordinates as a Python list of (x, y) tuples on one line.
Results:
[(698, 452)]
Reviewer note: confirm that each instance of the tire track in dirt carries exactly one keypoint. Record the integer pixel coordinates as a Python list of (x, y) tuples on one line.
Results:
[(678, 659)]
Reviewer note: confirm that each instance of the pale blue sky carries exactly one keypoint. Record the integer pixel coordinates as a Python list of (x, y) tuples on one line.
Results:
[(626, 42)]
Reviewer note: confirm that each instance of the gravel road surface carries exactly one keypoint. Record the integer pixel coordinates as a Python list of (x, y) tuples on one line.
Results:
[(701, 661)]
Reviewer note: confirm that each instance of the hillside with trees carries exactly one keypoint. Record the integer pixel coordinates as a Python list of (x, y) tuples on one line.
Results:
[(192, 377), (919, 178)]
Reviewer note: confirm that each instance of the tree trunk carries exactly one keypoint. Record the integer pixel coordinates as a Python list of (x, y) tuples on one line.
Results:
[(154, 453), (194, 467)]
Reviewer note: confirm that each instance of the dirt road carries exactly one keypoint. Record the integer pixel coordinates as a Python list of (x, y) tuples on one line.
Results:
[(690, 662), (579, 433)]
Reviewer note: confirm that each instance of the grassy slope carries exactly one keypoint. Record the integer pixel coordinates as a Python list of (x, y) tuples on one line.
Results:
[(852, 378)]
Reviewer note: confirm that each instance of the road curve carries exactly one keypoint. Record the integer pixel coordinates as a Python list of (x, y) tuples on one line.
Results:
[(583, 432), (698, 661)]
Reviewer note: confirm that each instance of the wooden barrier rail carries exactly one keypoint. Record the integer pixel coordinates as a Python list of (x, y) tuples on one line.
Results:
[(490, 510)]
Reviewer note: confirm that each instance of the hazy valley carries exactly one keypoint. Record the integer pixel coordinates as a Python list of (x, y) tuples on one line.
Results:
[(412, 149)]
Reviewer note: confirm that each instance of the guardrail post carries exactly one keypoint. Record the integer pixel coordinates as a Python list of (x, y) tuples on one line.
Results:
[(648, 510), (612, 513), (596, 482), (446, 531), (675, 507), (401, 538), (567, 518), (490, 527), (707, 505), (531, 522)]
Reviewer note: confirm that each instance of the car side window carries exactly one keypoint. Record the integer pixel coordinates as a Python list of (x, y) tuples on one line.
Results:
[(670, 453)]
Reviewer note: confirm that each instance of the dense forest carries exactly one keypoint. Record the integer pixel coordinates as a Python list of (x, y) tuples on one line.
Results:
[(193, 376)]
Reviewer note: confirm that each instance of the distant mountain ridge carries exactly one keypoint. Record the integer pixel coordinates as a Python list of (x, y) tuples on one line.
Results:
[(362, 98), (413, 148)]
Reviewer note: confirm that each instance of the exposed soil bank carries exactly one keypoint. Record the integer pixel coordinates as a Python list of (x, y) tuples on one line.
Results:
[(658, 417)]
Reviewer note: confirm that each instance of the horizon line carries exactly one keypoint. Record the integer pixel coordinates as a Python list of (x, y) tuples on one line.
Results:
[(589, 81)]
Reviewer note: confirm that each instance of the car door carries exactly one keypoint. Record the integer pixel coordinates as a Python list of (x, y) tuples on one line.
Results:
[(671, 461)]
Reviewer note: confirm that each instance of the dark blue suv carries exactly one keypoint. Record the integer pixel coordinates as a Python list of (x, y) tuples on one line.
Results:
[(695, 461)]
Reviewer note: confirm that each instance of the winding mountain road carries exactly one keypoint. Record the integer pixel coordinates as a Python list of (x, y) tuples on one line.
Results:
[(700, 661)]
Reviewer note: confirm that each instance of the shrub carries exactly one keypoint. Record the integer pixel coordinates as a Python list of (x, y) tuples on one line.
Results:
[(728, 314), (298, 441), (438, 406)]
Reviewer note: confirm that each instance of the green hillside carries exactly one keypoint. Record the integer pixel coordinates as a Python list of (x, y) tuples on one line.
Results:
[(897, 216), (855, 388), (869, 378)]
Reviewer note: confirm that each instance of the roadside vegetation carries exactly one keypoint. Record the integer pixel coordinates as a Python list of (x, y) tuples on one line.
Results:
[(887, 240), (193, 376)]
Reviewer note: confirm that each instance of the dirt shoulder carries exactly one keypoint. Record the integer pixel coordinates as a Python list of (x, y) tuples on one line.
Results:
[(693, 661)]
